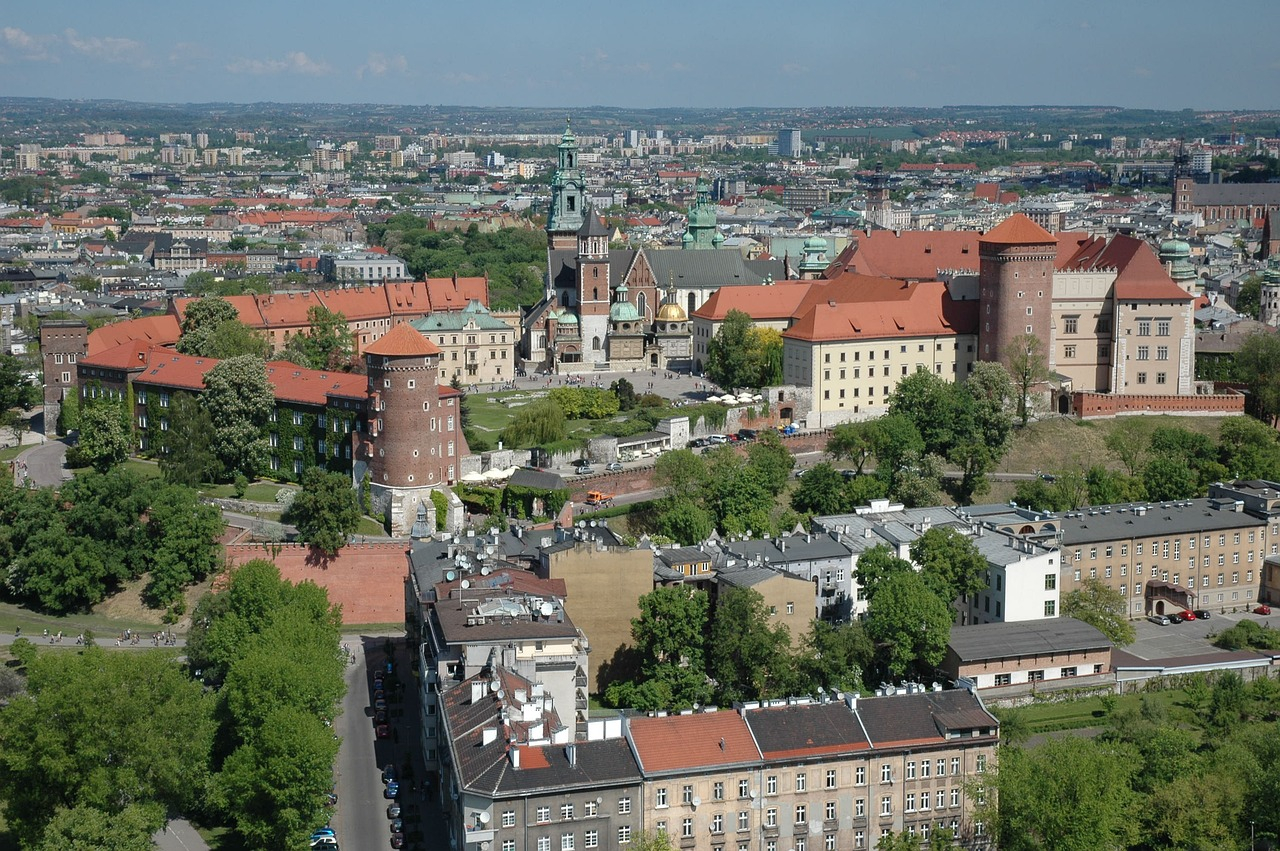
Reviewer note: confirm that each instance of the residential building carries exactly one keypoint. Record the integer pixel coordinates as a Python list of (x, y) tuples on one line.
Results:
[(823, 561), (993, 655), (366, 266), (1022, 581), (787, 597), (789, 144)]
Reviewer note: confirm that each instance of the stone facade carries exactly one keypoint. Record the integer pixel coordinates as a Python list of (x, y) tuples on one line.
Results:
[(63, 342)]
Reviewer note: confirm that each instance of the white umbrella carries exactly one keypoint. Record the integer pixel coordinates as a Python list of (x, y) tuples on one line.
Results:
[(494, 475), (713, 398), (728, 400), (473, 478), (744, 397)]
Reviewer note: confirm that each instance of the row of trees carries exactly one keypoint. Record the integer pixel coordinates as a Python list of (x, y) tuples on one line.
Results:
[(1200, 773), (687, 652), (65, 551), (101, 748)]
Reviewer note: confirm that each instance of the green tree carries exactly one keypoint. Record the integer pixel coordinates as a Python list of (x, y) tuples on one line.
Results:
[(182, 534), (1108, 487), (683, 520), (771, 460), (1028, 369), (1168, 478), (737, 494), (910, 624), (188, 457), (1249, 449), (87, 828), (835, 657), (102, 730), (17, 388), (536, 424), (734, 359), (327, 344), (1103, 607), (626, 393), (950, 563), (1249, 297), (239, 399), (875, 566), (1258, 364), (1068, 794), (200, 320), (748, 658), (104, 440), (1129, 439), (670, 640), (821, 491), (325, 510), (854, 442), (680, 473)]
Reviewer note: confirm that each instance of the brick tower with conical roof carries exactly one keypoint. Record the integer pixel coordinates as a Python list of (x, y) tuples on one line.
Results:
[(414, 437), (1015, 286)]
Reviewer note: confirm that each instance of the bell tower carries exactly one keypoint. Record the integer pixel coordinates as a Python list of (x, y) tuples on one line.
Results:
[(568, 194)]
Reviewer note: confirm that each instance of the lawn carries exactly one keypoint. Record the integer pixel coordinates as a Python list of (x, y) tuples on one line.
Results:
[(256, 492), (371, 528), (1046, 717), (12, 452)]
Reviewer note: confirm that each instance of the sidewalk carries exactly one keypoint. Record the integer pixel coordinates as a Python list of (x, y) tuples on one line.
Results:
[(179, 835)]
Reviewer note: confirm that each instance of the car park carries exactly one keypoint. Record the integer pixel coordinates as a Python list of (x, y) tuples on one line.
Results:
[(393, 810), (1202, 614), (1262, 610), (1159, 619)]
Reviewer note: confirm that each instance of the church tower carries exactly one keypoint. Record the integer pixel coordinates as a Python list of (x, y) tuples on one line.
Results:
[(701, 231), (568, 194), (1175, 254), (814, 262), (1015, 286), (594, 293)]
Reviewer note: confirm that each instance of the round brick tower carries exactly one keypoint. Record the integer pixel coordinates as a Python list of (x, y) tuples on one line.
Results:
[(407, 431), (1015, 279)]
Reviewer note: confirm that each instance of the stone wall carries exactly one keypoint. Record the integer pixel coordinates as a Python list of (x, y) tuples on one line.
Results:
[(1089, 406)]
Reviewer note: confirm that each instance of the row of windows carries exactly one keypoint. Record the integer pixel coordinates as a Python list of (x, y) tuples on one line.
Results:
[(902, 349), (1167, 547), (57, 358)]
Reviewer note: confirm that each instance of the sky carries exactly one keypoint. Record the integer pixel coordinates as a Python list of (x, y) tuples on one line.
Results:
[(1158, 54)]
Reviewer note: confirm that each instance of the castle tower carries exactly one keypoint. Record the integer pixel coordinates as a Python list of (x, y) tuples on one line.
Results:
[(1175, 254), (814, 262), (701, 231), (568, 194), (414, 441), (1015, 283), (62, 343), (594, 292)]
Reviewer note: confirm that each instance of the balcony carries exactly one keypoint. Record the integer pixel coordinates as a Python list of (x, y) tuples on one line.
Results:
[(477, 835)]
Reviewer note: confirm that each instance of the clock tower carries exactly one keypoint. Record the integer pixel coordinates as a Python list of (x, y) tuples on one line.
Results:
[(568, 195)]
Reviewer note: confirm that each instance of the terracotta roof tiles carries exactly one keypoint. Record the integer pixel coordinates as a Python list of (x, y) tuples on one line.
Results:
[(402, 341), (685, 742), (1018, 229)]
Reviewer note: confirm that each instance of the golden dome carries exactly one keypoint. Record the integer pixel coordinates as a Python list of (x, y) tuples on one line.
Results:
[(671, 312)]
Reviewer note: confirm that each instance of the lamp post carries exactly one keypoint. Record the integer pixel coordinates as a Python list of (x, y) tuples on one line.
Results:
[(1251, 845)]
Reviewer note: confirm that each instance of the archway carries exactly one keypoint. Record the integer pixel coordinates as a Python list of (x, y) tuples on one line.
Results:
[(786, 414), (1064, 404)]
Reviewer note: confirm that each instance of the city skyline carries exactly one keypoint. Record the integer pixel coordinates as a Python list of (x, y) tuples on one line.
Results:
[(714, 54)]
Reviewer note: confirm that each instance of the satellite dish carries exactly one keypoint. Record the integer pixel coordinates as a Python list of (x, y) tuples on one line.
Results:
[(696, 801), (484, 818), (582, 524), (465, 585), (484, 846), (450, 575), (493, 686), (752, 794), (593, 524), (489, 549), (546, 609), (484, 571)]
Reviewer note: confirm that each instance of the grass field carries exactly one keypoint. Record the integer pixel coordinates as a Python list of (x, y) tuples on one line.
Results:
[(1090, 712), (1061, 444)]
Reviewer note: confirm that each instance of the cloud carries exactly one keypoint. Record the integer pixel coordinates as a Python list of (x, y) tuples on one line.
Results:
[(794, 69), (1142, 72), (456, 77), (296, 62), (379, 64), (107, 48), (22, 45)]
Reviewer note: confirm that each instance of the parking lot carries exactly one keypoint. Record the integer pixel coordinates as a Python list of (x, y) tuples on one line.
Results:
[(1180, 640)]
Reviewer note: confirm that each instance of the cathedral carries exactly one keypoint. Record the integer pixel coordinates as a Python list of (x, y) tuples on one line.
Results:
[(620, 308)]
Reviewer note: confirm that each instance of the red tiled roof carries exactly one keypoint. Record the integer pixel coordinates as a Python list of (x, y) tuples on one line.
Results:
[(402, 341), (1140, 274), (312, 386), (356, 304), (910, 254), (150, 330), (938, 167), (450, 294), (683, 742), (761, 303), (246, 307), (929, 311), (1018, 229)]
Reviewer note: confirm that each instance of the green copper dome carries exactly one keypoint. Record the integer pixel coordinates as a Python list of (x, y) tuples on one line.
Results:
[(623, 310), (566, 317), (1271, 277)]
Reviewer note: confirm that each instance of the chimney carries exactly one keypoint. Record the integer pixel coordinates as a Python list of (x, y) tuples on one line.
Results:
[(477, 691), (490, 735), (514, 753), (571, 754)]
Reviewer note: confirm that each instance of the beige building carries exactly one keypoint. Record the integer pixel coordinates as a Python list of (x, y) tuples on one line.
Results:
[(475, 346), (788, 598)]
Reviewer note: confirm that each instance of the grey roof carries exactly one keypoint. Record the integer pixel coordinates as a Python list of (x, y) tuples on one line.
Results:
[(591, 225), (562, 266), (701, 269), (537, 479), (1006, 549), (1236, 193), (1141, 520), (789, 548), (979, 642), (747, 576)]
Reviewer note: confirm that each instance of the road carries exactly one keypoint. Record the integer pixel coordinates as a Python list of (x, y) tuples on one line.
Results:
[(46, 465)]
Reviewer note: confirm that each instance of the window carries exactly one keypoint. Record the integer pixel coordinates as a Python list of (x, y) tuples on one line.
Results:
[(297, 417), (860, 775), (686, 795), (910, 806), (591, 839), (911, 770), (771, 817), (744, 820), (566, 842), (1004, 679), (955, 766), (566, 812), (1161, 377), (508, 845), (1144, 327), (744, 789), (660, 797), (955, 797), (508, 818), (859, 808), (591, 809), (1144, 353), (624, 806), (829, 842), (771, 784), (829, 811), (1162, 328), (802, 779), (717, 791), (831, 778), (717, 824), (1050, 608), (886, 806), (1050, 581), (1069, 352), (942, 768), (859, 840), (544, 843), (624, 834), (1162, 352), (940, 799), (1142, 378), (543, 815)]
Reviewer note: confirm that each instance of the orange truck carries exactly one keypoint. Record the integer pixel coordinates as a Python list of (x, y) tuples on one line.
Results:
[(599, 498)]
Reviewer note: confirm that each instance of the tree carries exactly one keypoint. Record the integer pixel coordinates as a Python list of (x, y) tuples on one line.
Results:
[(683, 520), (1129, 439), (1028, 368), (102, 730), (670, 640), (1249, 297), (771, 460), (1258, 363), (821, 491), (767, 345), (535, 424), (87, 828), (328, 343), (854, 442), (1168, 478), (325, 509), (910, 624), (747, 657), (183, 535), (734, 356), (680, 473), (1102, 607), (875, 566), (950, 563), (104, 433), (1249, 449), (626, 393), (835, 657), (199, 321), (239, 399), (17, 389), (187, 457), (1069, 794)]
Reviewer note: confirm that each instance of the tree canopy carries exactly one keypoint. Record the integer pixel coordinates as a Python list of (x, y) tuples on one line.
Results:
[(325, 509), (239, 399), (742, 355)]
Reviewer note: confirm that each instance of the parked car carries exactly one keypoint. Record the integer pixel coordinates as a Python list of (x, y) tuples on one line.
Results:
[(389, 773), (384, 731), (717, 438), (392, 790), (397, 840), (397, 825), (698, 442), (324, 843), (584, 470), (1202, 614), (747, 434), (393, 810), (613, 467), (1262, 610), (1159, 619), (1186, 616)]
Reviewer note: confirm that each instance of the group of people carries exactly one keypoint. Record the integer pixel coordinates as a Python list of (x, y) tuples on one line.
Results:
[(167, 638)]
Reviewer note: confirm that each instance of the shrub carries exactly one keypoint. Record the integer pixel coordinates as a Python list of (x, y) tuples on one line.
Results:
[(441, 502)]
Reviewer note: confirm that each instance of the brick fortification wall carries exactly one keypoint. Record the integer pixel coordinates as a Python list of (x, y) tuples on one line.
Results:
[(1090, 406)]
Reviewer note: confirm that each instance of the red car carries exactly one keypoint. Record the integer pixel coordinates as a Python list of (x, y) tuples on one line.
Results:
[(1262, 610), (384, 731), (1186, 616)]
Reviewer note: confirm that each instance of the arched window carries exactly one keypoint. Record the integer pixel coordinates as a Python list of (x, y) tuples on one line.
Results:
[(641, 301), (691, 304), (595, 271), (595, 344), (595, 293)]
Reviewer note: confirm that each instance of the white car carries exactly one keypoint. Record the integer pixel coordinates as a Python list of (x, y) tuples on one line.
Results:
[(718, 438)]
